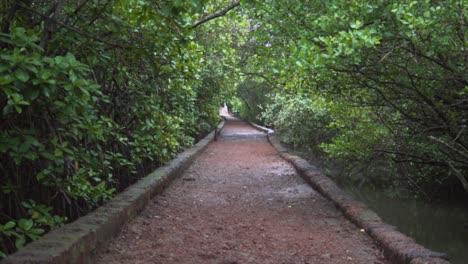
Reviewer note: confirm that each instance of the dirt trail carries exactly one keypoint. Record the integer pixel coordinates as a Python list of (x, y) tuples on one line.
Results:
[(239, 202)]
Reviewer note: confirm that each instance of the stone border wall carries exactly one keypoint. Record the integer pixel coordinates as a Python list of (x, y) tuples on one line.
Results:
[(77, 242), (396, 246), (219, 129), (264, 129)]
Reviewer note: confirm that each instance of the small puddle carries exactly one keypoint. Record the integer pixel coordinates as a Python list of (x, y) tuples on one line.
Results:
[(300, 191), (281, 169)]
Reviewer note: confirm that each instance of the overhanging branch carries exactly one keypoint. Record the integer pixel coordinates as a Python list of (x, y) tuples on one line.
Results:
[(223, 12), (113, 44)]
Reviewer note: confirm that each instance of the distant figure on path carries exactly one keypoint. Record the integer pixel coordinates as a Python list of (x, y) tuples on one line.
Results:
[(223, 111)]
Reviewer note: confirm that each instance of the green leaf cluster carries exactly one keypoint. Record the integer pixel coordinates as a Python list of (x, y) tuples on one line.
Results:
[(96, 97), (390, 75)]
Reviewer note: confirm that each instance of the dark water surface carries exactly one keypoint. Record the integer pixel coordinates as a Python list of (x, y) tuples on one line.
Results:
[(440, 227)]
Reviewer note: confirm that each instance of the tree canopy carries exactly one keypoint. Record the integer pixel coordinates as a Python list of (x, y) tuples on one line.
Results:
[(95, 94), (369, 80)]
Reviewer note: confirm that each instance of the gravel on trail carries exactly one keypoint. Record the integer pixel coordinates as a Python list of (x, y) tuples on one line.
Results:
[(239, 202)]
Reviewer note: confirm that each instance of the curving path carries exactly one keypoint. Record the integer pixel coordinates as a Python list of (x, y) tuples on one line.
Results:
[(239, 202)]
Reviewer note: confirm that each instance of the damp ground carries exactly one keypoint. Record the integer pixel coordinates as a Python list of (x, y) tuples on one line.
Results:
[(239, 202)]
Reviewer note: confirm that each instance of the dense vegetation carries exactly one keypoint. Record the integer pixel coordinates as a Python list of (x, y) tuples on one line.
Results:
[(94, 94), (382, 83)]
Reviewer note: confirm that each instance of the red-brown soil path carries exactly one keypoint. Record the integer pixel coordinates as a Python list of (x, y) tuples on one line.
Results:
[(239, 202)]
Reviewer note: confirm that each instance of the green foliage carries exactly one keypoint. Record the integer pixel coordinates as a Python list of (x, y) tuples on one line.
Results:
[(254, 96), (299, 120), (97, 97), (391, 74), (41, 214), (102, 93), (26, 229)]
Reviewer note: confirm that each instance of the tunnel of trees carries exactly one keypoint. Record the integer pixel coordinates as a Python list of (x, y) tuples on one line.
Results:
[(95, 94)]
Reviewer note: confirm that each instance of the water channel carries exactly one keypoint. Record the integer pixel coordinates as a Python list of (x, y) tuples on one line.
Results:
[(440, 227)]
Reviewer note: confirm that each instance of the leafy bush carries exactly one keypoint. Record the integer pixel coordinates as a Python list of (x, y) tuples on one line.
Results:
[(254, 96), (299, 120), (92, 99)]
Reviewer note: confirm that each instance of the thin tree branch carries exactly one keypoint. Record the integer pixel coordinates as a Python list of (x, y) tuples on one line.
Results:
[(73, 29), (50, 26), (463, 154), (459, 176), (412, 158), (258, 75), (223, 12), (9, 18)]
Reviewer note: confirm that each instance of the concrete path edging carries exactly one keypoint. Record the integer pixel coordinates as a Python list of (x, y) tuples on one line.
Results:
[(78, 241), (264, 129), (396, 246), (219, 129)]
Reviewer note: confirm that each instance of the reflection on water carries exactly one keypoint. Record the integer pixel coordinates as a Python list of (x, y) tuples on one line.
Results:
[(440, 227)]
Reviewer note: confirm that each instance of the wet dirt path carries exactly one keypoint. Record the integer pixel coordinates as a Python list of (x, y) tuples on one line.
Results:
[(239, 202)]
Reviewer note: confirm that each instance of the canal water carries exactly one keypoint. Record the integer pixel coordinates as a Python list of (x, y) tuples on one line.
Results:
[(437, 226)]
